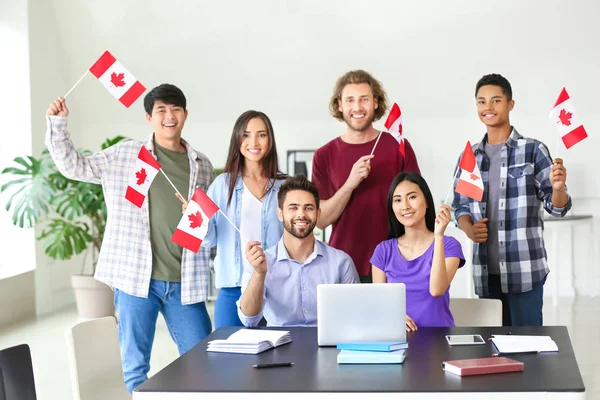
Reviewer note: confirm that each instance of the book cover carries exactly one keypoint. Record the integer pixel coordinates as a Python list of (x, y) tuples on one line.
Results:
[(373, 346), (481, 366), (370, 357)]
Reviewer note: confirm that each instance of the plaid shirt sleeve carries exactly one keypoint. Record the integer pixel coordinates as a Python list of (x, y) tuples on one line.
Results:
[(69, 161), (543, 163)]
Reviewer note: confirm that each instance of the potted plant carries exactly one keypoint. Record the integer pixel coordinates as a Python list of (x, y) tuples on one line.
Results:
[(73, 219)]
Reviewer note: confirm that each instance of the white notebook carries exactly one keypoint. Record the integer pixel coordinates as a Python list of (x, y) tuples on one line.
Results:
[(250, 341), (523, 343)]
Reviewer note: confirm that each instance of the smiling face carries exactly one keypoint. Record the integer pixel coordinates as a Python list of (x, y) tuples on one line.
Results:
[(167, 120), (409, 204), (358, 106), (255, 140), (299, 214), (493, 106)]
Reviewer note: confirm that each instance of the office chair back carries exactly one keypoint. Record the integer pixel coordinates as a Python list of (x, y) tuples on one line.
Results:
[(476, 312), (17, 374), (95, 360)]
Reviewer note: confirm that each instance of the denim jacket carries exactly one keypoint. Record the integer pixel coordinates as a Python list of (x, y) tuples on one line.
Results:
[(228, 263)]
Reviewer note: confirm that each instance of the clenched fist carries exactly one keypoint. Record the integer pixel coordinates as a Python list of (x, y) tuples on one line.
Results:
[(58, 108)]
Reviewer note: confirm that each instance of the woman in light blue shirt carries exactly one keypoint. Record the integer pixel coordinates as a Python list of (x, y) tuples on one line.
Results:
[(246, 192)]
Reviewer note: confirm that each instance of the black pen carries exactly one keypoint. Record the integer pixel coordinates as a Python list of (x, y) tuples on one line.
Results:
[(520, 353), (274, 365)]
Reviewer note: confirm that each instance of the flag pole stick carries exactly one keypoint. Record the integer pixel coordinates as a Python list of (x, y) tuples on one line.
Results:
[(451, 185), (377, 141), (232, 224), (80, 79), (557, 145), (179, 196)]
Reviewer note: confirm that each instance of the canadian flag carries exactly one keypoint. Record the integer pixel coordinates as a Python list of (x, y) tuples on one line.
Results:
[(469, 183), (194, 224), (393, 124), (117, 79), (564, 116), (140, 179)]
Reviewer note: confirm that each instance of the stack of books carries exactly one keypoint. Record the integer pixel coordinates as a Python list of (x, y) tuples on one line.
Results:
[(250, 341), (372, 352)]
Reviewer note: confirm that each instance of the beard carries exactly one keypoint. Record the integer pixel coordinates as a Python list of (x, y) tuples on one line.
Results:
[(299, 233), (358, 126)]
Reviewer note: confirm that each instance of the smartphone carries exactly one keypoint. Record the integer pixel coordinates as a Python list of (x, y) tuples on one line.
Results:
[(464, 340)]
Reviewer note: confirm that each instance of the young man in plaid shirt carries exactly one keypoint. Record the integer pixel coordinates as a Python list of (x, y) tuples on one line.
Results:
[(149, 273), (506, 227)]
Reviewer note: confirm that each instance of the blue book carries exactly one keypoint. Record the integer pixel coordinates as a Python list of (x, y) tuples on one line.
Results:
[(373, 346), (370, 357)]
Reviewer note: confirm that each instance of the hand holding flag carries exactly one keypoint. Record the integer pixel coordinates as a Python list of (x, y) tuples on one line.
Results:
[(558, 175), (58, 107)]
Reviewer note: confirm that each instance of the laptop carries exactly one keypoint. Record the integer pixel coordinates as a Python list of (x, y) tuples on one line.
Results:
[(361, 312)]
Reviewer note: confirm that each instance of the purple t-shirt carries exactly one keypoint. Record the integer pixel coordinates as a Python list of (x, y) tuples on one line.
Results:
[(421, 306)]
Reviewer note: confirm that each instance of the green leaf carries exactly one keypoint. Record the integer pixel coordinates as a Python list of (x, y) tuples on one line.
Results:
[(29, 190), (111, 142), (63, 239), (34, 189)]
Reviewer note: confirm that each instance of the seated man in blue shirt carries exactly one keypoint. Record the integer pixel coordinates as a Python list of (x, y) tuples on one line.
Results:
[(282, 283)]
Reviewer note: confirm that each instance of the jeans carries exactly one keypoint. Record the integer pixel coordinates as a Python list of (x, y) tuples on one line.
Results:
[(226, 313), (187, 324), (518, 309)]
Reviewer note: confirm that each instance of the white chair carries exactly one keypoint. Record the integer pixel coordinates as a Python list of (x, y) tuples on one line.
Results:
[(95, 360), (476, 312)]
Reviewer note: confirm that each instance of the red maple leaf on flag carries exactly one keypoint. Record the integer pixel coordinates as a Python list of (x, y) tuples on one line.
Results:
[(565, 117), (195, 220), (141, 176), (117, 79), (473, 177)]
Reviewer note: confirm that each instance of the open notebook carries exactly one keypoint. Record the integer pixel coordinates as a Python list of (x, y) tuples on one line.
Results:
[(507, 344), (250, 341)]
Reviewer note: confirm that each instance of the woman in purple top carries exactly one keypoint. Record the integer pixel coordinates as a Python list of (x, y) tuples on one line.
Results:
[(418, 254)]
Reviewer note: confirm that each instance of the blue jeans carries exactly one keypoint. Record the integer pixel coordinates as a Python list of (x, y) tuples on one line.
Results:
[(187, 324), (518, 309), (225, 308)]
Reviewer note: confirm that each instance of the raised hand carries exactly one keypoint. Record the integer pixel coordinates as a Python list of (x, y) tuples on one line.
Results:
[(360, 171), (58, 108), (442, 219), (256, 257), (558, 175)]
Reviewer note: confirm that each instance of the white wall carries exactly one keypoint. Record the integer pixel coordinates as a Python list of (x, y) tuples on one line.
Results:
[(16, 245), (50, 74), (283, 57)]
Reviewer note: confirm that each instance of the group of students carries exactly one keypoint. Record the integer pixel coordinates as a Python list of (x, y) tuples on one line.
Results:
[(384, 224)]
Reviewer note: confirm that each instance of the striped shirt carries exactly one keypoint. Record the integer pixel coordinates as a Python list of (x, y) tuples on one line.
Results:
[(125, 260), (524, 190)]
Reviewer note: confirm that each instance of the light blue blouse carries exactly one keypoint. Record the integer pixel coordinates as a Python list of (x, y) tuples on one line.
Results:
[(228, 263)]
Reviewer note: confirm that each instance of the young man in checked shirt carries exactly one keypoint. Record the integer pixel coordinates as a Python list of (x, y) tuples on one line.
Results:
[(149, 273), (506, 227)]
